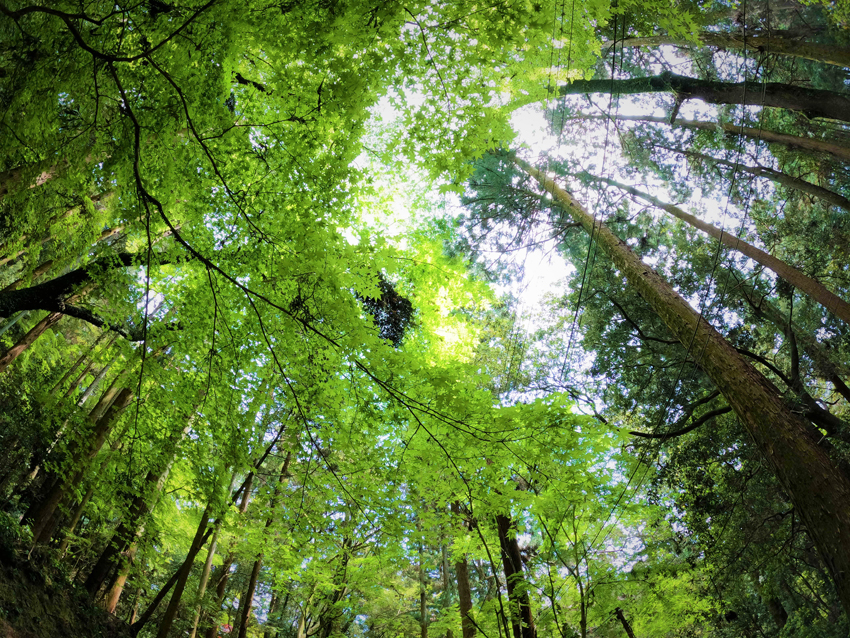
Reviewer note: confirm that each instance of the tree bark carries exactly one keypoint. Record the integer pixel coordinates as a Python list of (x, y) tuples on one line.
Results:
[(110, 601), (814, 289), (777, 44), (819, 490), (183, 575), (205, 577), (77, 364), (40, 514), (626, 626), (778, 177), (140, 506), (792, 141), (28, 339), (464, 591), (521, 620), (809, 102)]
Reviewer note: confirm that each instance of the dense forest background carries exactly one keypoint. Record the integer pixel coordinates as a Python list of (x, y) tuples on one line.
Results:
[(266, 365)]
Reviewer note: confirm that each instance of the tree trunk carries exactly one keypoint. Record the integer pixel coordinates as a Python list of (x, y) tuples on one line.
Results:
[(775, 176), (819, 490), (40, 514), (38, 272), (792, 141), (521, 620), (248, 602), (205, 577), (12, 321), (464, 591), (626, 626), (832, 302), (183, 576), (28, 339), (809, 102), (110, 601), (139, 508), (77, 364), (98, 379), (792, 47)]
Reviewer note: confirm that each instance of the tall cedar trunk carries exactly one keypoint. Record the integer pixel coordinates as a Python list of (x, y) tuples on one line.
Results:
[(223, 573), (247, 603), (521, 620), (28, 339), (40, 514), (626, 626), (819, 490), (28, 175), (775, 176), (139, 508), (810, 102), (38, 272), (64, 534), (183, 576), (773, 43), (464, 591), (110, 600), (77, 364), (329, 615), (11, 322), (833, 303), (205, 577), (98, 379), (248, 600), (791, 141), (423, 596)]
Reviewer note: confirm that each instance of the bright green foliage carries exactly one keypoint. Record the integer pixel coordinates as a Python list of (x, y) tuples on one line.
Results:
[(229, 175)]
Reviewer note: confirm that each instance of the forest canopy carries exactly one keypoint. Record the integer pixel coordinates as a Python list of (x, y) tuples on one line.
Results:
[(269, 362)]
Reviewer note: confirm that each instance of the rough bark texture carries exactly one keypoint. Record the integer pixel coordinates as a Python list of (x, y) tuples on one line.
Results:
[(40, 515), (792, 141), (28, 339), (464, 591), (793, 47), (809, 102), (814, 289), (775, 176), (819, 490), (521, 620)]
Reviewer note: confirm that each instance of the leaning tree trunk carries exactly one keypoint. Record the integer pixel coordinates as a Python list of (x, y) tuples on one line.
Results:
[(245, 607), (78, 363), (40, 516), (28, 339), (777, 177), (792, 141), (139, 508), (464, 591), (792, 47), (818, 292), (522, 623), (180, 585), (810, 102), (819, 490)]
